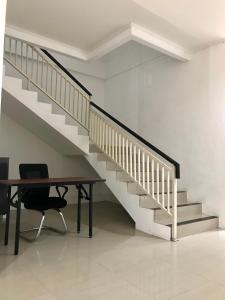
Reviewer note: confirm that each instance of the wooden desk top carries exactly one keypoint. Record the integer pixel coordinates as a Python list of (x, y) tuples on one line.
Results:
[(51, 181)]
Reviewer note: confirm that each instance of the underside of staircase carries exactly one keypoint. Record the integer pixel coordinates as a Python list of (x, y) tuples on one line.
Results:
[(29, 109)]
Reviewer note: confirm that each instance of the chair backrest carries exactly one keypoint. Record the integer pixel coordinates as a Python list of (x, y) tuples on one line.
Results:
[(4, 173), (32, 171)]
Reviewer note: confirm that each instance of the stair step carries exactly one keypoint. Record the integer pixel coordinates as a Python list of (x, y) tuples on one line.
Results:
[(124, 177), (183, 210), (111, 166), (148, 202), (94, 149), (16, 82), (194, 224), (45, 107), (133, 188), (70, 130)]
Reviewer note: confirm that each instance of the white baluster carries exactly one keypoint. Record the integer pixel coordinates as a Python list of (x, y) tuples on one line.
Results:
[(69, 97), (168, 191), (60, 89), (157, 181), (21, 53), (127, 158), (100, 133), (106, 138), (135, 163), (120, 163), (56, 85), (153, 177), (96, 129), (110, 141), (116, 147), (147, 171), (174, 225), (103, 136), (113, 150), (123, 152), (26, 59), (65, 93), (163, 195), (131, 159), (15, 52), (46, 83), (32, 65), (143, 169), (139, 166), (42, 67)]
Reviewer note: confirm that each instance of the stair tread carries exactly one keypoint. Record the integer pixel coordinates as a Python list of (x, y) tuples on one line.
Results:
[(180, 205), (160, 193), (189, 220)]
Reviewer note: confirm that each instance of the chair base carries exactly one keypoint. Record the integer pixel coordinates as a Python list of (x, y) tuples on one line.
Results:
[(41, 227)]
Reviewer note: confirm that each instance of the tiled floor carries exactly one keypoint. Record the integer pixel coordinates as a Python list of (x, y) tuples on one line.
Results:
[(119, 263)]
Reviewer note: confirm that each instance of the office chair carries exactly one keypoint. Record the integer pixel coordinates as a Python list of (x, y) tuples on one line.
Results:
[(38, 199), (4, 202)]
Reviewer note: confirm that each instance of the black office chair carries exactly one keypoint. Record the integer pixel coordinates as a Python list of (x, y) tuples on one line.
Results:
[(38, 199), (4, 202)]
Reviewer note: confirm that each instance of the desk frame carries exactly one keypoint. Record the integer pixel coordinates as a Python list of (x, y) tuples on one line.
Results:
[(78, 182)]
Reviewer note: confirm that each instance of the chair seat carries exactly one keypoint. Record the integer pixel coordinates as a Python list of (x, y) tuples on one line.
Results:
[(45, 204)]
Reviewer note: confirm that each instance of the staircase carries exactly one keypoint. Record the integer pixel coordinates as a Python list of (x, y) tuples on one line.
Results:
[(143, 178)]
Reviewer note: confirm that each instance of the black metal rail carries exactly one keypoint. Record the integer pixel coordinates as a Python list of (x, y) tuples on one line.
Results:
[(67, 72), (138, 137)]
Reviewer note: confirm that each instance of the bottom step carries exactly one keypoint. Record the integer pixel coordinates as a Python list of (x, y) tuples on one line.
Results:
[(196, 225)]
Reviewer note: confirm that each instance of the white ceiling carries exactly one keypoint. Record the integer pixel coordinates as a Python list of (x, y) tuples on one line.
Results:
[(85, 24)]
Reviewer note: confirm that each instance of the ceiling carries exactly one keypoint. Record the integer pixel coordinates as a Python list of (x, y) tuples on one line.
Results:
[(86, 24)]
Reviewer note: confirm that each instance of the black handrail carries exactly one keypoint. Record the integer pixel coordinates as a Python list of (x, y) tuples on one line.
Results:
[(66, 71), (138, 137)]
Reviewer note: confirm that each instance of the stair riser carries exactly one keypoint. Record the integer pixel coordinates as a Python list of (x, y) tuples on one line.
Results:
[(114, 167), (147, 202), (94, 149), (133, 188), (183, 211), (122, 176), (197, 227), (104, 157), (17, 83)]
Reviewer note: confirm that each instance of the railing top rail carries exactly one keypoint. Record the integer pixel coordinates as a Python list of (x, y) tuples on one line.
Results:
[(141, 139), (66, 71)]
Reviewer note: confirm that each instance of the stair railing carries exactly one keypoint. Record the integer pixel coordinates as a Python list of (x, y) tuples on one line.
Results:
[(154, 172), (41, 71), (156, 176)]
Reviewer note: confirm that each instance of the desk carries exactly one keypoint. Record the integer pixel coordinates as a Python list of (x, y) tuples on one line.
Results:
[(78, 182)]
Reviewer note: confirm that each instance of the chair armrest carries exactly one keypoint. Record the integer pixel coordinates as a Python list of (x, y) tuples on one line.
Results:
[(59, 193)]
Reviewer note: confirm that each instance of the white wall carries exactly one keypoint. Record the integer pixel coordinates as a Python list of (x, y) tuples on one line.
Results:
[(180, 108), (2, 32), (122, 81)]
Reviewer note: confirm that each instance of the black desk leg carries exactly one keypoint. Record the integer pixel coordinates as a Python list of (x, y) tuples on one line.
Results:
[(17, 233), (7, 218), (79, 210), (90, 209)]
